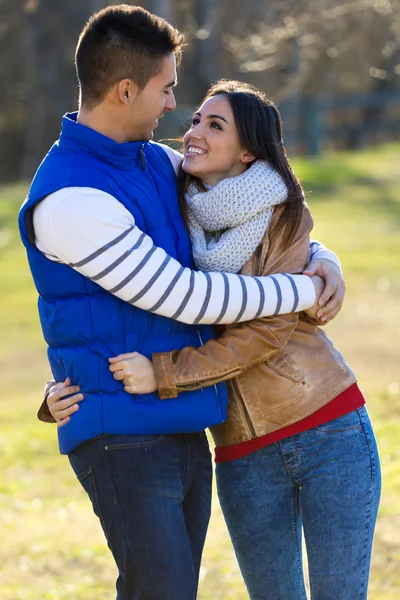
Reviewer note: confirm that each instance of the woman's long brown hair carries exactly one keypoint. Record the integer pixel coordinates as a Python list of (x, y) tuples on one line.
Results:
[(259, 125)]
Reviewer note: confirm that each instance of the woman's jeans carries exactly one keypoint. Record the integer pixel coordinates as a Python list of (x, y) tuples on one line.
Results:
[(326, 481), (152, 494)]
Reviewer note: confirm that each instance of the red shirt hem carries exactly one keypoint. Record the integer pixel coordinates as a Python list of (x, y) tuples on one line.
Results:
[(346, 402)]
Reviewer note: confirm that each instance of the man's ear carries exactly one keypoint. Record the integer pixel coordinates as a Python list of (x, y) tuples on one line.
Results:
[(247, 157), (127, 91)]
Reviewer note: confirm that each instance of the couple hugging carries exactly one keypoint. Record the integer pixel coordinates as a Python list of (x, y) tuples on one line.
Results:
[(180, 292)]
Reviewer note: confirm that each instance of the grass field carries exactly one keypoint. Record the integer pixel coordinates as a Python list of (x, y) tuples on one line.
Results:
[(51, 546)]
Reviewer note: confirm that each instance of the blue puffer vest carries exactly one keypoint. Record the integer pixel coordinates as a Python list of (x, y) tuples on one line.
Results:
[(83, 324)]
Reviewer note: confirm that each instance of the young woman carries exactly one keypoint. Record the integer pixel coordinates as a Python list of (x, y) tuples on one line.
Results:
[(297, 451)]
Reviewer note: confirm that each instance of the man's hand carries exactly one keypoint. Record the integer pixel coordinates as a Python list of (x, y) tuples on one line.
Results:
[(135, 371), (331, 299), (61, 410)]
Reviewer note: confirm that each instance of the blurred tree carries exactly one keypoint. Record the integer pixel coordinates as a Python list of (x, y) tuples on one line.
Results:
[(50, 80), (12, 75), (311, 49), (302, 50)]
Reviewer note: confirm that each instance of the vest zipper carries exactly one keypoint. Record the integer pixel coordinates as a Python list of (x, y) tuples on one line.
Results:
[(143, 158), (257, 261), (215, 386)]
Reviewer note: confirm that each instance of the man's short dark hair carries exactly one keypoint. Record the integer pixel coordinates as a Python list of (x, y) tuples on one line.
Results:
[(122, 42)]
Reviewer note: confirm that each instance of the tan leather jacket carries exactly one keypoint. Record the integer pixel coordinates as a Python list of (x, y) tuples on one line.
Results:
[(279, 369)]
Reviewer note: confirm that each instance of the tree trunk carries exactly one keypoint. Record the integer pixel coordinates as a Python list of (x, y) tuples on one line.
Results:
[(52, 33), (207, 44)]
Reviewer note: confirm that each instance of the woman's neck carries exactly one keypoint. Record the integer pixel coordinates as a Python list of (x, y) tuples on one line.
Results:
[(212, 179)]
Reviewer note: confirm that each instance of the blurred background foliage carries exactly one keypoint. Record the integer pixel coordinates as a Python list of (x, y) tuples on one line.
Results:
[(333, 66)]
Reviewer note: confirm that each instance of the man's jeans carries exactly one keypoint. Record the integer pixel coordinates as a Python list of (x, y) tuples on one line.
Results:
[(326, 481), (152, 494)]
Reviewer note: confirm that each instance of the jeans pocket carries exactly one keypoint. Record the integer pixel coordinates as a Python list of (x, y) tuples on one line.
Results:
[(348, 422), (87, 480), (129, 442)]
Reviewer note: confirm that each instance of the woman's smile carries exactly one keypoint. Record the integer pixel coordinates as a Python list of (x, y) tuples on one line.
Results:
[(194, 151)]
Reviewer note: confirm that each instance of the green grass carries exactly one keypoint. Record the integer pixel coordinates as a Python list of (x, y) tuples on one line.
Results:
[(52, 547)]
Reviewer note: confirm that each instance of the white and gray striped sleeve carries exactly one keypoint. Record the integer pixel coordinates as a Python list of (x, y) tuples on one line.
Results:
[(94, 234), (318, 252)]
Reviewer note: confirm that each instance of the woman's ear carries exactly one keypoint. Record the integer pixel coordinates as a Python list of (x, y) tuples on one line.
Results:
[(247, 157)]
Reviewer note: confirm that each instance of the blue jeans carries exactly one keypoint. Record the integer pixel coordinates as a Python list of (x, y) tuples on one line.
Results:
[(326, 482), (152, 494)]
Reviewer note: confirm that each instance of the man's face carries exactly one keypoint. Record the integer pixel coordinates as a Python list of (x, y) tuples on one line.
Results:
[(153, 101)]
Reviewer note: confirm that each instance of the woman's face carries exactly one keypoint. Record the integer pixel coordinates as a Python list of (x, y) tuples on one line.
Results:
[(212, 148)]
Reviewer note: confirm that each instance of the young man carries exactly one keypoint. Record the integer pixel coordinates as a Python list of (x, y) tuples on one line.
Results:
[(111, 260)]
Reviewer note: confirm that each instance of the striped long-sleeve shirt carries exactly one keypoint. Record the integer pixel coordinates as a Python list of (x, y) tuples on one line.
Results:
[(96, 235)]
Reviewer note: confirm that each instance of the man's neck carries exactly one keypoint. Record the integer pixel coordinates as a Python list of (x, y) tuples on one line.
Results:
[(103, 122)]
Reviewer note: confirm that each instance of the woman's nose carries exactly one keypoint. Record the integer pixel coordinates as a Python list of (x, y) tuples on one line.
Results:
[(196, 131)]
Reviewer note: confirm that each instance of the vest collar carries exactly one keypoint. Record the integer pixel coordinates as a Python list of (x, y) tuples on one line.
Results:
[(76, 136)]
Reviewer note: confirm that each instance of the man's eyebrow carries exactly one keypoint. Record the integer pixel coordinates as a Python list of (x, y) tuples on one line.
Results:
[(172, 84), (213, 117)]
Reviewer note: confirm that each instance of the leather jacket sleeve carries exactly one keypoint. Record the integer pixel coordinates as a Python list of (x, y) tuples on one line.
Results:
[(242, 346), (44, 414)]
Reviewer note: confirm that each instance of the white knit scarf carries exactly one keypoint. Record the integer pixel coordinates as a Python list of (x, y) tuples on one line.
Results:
[(229, 220)]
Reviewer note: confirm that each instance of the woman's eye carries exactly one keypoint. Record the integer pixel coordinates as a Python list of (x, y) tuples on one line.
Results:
[(216, 125), (195, 122)]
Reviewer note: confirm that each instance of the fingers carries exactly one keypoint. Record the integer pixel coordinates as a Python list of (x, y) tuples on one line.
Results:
[(334, 304), (312, 268), (61, 405), (329, 290), (59, 391), (64, 415), (60, 409), (315, 321), (53, 385), (330, 310), (334, 285), (120, 357), (119, 366), (311, 320), (129, 389), (124, 376), (115, 359), (124, 362), (119, 375)]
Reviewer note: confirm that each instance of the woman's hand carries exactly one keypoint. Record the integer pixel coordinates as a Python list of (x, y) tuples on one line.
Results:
[(61, 410), (331, 299), (319, 285), (135, 371)]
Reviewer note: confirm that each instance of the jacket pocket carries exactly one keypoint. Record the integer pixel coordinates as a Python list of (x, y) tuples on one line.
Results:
[(281, 364), (270, 387)]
